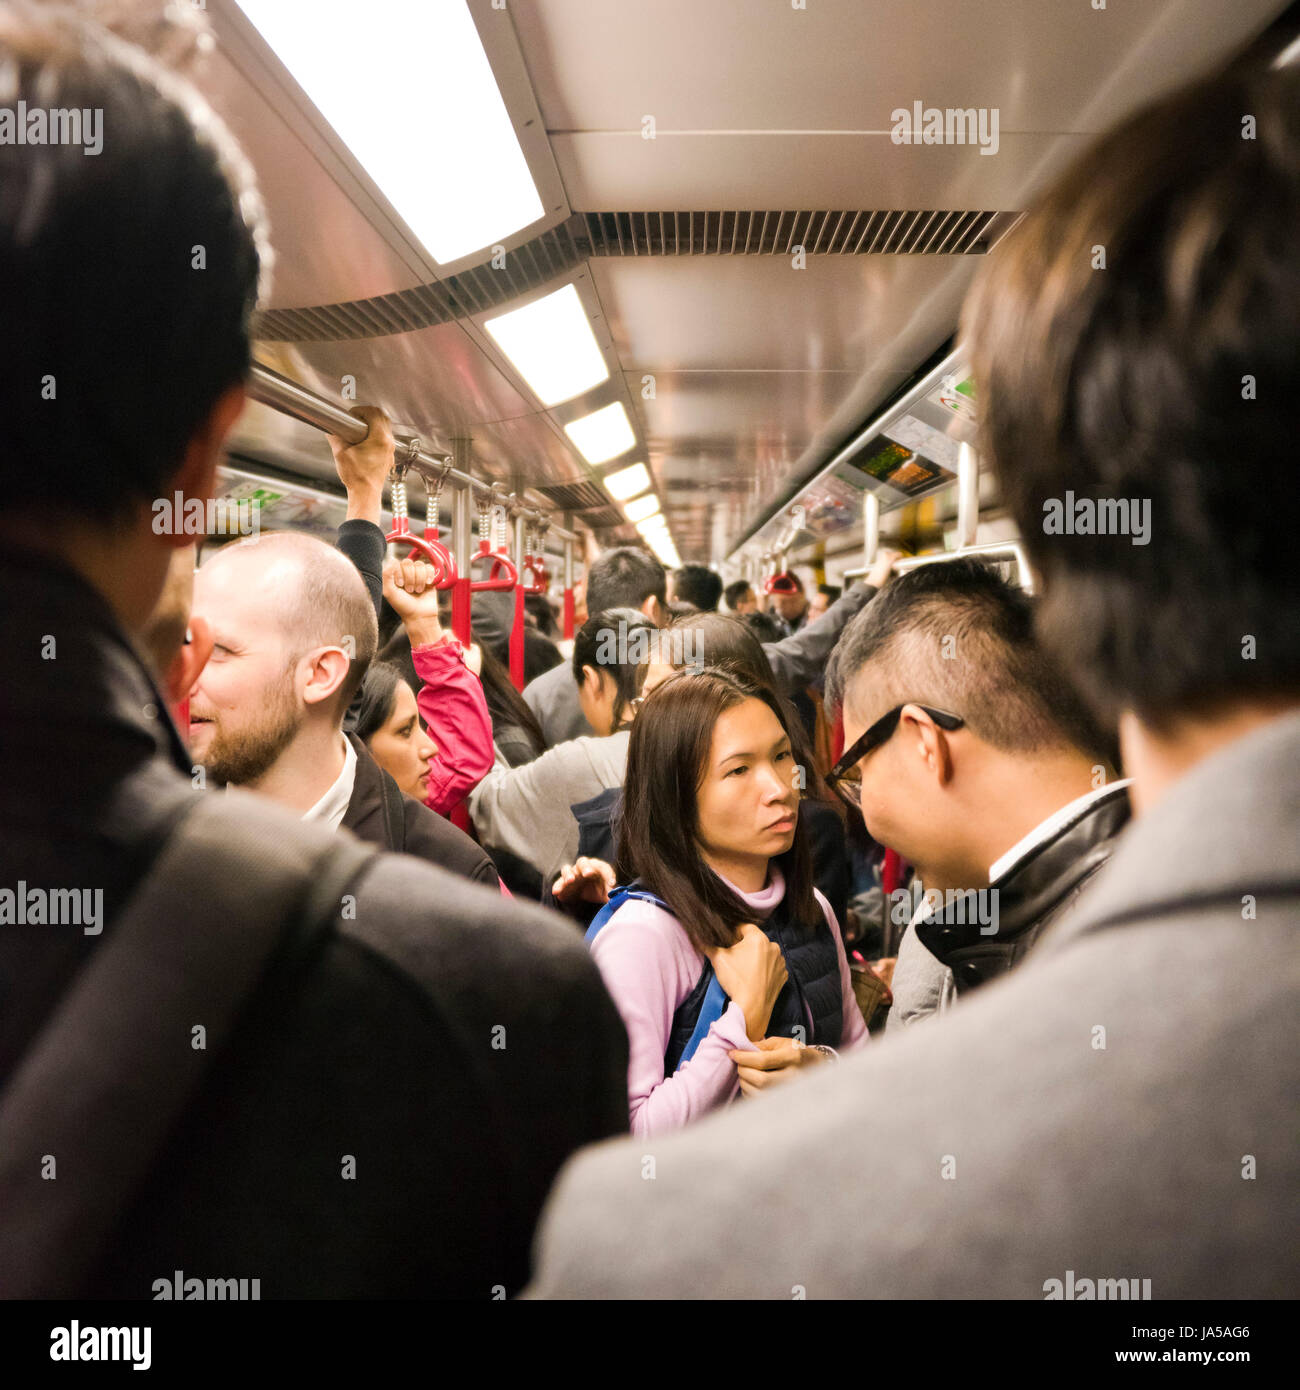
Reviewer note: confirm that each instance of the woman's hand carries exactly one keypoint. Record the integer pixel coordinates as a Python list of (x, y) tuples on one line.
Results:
[(776, 1061), (408, 586), (752, 973), (587, 881)]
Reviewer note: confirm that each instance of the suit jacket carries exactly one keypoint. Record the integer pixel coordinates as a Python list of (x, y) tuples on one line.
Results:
[(428, 835), (1121, 1105)]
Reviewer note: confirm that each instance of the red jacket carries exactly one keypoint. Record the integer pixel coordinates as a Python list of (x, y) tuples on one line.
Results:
[(453, 709)]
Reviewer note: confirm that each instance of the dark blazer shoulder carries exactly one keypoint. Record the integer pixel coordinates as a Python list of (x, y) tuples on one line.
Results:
[(431, 837)]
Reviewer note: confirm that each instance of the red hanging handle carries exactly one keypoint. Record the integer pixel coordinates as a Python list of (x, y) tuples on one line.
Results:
[(536, 566), (501, 576), (782, 583), (432, 552)]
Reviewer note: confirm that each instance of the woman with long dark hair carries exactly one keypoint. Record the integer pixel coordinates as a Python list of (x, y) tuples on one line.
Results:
[(721, 906), (516, 734), (712, 639)]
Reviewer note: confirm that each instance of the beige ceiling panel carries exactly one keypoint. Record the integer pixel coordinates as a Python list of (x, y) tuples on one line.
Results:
[(711, 172), (846, 64), (839, 313)]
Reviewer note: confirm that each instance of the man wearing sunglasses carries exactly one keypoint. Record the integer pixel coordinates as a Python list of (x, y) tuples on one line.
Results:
[(968, 753)]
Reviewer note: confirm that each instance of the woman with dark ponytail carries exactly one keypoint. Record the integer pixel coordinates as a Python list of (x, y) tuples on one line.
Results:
[(524, 812)]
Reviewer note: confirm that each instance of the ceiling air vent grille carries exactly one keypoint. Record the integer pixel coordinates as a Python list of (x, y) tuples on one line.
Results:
[(575, 497), (531, 265), (832, 233)]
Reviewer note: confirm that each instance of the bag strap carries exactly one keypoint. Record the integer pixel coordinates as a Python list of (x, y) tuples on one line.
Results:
[(714, 1006), (394, 813), (237, 890), (715, 997), (616, 900)]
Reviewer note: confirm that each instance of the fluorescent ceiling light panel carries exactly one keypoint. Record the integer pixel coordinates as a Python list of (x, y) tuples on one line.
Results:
[(602, 435), (642, 508), (652, 524), (409, 90), (627, 482), (663, 547), (552, 346)]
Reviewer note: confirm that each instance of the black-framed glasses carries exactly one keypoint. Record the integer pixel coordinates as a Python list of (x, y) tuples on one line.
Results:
[(849, 789)]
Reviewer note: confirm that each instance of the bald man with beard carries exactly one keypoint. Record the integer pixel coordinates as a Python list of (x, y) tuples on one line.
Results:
[(293, 631)]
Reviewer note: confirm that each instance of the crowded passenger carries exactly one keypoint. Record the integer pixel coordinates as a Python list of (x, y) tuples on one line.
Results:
[(719, 905), (699, 586), (821, 601), (710, 639), (346, 1129), (795, 660), (624, 577), (524, 812), (267, 712), (740, 598), (1099, 1108), (979, 765), (789, 603)]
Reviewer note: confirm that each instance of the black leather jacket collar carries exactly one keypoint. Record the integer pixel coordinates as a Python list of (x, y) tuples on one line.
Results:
[(1028, 898)]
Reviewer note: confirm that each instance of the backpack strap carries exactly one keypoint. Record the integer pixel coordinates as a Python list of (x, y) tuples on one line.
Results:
[(714, 1006), (394, 813), (715, 997), (616, 900), (238, 889)]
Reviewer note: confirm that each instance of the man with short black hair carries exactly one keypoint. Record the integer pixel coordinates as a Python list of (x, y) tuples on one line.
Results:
[(625, 577), (740, 598), (820, 601), (980, 766), (1121, 1104), (273, 1052), (699, 586)]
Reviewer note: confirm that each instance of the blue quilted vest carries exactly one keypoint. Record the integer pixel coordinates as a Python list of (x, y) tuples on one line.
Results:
[(811, 962)]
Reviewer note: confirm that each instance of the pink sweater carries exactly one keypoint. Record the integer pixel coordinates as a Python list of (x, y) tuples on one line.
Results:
[(649, 967), (453, 709)]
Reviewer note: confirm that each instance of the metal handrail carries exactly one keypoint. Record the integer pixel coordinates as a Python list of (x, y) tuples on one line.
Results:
[(289, 398), (1005, 550)]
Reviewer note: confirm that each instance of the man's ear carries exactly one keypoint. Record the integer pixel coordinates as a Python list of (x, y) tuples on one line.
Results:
[(197, 475), (188, 663), (329, 669), (929, 742), (655, 611)]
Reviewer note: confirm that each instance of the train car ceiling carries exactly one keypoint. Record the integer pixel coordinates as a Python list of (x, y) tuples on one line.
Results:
[(721, 189)]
